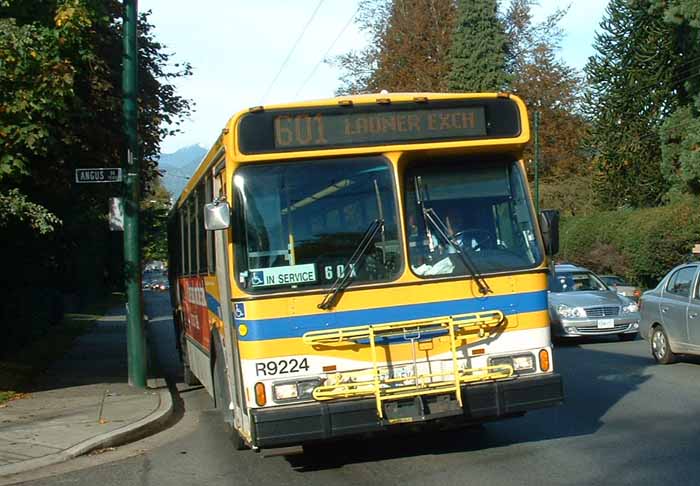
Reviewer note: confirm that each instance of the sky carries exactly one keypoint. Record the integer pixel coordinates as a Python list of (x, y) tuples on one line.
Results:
[(251, 52)]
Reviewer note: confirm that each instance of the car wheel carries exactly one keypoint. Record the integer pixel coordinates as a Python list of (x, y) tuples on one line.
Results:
[(660, 347), (222, 399), (627, 337)]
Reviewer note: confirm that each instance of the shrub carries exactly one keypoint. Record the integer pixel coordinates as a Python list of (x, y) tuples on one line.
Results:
[(642, 244)]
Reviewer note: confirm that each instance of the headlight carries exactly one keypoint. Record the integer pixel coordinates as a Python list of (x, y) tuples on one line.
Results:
[(285, 391), (294, 390), (631, 307), (520, 363), (524, 362), (568, 312)]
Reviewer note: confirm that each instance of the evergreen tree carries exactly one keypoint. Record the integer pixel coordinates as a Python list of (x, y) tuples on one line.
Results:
[(547, 85), (478, 53), (680, 133), (632, 88), (407, 51), (415, 46)]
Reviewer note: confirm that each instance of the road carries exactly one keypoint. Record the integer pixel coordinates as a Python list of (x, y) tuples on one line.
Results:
[(626, 420)]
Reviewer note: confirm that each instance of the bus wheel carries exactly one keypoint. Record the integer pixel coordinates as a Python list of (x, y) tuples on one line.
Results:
[(222, 399)]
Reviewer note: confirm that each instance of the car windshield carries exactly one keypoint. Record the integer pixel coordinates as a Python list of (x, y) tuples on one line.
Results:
[(576, 282), (484, 208), (301, 222), (613, 280)]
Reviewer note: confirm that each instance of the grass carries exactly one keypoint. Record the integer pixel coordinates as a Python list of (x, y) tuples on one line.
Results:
[(19, 368)]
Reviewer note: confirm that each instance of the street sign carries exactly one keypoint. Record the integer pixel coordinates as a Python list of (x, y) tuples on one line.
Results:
[(696, 249), (85, 176)]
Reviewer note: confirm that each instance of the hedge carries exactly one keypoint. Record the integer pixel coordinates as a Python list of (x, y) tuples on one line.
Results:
[(639, 244)]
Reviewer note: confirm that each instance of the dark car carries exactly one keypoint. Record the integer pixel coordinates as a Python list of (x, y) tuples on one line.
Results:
[(580, 304), (671, 314)]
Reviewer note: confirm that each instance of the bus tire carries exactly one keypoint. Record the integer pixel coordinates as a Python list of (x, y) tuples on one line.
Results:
[(221, 396)]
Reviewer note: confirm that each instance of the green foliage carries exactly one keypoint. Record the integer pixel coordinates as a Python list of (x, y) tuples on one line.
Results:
[(680, 135), (17, 207), (154, 217), (359, 66), (478, 55), (641, 74), (640, 244), (571, 194), (61, 109)]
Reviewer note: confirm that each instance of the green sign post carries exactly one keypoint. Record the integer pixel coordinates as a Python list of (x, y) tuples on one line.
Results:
[(136, 343)]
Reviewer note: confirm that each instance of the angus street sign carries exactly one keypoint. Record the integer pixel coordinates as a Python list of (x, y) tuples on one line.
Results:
[(85, 176)]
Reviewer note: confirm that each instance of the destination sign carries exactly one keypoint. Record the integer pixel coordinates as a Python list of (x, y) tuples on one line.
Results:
[(325, 127), (316, 130), (86, 176)]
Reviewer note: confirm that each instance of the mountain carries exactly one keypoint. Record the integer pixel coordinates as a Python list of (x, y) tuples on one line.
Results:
[(179, 166)]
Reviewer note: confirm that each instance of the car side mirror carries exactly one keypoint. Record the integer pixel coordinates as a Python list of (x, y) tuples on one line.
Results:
[(217, 215), (549, 224)]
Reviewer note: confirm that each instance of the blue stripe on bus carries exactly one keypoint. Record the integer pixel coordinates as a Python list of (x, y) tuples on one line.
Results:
[(296, 326), (213, 305)]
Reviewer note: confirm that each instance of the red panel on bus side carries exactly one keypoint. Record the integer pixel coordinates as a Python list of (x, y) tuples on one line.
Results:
[(194, 307)]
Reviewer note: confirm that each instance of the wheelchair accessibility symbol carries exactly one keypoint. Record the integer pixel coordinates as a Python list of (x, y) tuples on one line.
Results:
[(239, 310), (258, 278)]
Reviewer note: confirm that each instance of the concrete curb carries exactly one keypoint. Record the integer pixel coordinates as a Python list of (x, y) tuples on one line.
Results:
[(155, 422)]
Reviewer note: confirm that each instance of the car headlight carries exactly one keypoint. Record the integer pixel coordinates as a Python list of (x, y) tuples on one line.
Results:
[(568, 312), (631, 307)]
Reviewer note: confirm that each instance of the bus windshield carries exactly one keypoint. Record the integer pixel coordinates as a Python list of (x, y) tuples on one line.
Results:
[(298, 224), (485, 209)]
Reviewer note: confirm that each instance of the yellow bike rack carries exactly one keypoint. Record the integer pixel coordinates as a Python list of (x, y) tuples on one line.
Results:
[(356, 384)]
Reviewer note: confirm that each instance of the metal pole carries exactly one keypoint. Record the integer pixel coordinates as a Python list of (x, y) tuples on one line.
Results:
[(136, 342), (537, 161)]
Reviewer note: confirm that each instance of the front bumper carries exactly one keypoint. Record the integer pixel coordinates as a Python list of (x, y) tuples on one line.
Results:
[(293, 425), (589, 327)]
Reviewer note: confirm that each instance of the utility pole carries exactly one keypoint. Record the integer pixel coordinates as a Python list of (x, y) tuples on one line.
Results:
[(135, 339), (537, 161)]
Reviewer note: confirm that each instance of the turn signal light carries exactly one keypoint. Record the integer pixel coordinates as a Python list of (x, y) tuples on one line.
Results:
[(260, 397), (544, 360)]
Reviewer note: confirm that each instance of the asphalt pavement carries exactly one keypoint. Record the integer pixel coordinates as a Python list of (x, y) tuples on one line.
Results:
[(83, 403), (625, 421)]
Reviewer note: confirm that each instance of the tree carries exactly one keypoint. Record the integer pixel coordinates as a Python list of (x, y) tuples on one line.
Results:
[(547, 85), (407, 51), (359, 66), (479, 45), (633, 79), (61, 109), (680, 132), (415, 45), (154, 216)]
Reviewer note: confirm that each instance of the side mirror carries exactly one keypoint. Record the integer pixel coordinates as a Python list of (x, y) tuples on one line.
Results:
[(217, 215), (549, 223)]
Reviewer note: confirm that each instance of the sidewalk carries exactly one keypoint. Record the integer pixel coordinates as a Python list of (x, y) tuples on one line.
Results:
[(82, 403)]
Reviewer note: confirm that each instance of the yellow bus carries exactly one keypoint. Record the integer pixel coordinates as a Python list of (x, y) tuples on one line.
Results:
[(357, 264)]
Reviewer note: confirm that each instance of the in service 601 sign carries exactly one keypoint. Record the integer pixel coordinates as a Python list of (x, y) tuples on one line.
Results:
[(85, 176)]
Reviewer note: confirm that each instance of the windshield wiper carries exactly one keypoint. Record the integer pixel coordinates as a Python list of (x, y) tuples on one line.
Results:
[(331, 298), (429, 215)]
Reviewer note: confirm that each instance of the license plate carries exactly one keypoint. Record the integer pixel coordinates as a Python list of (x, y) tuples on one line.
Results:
[(606, 323)]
